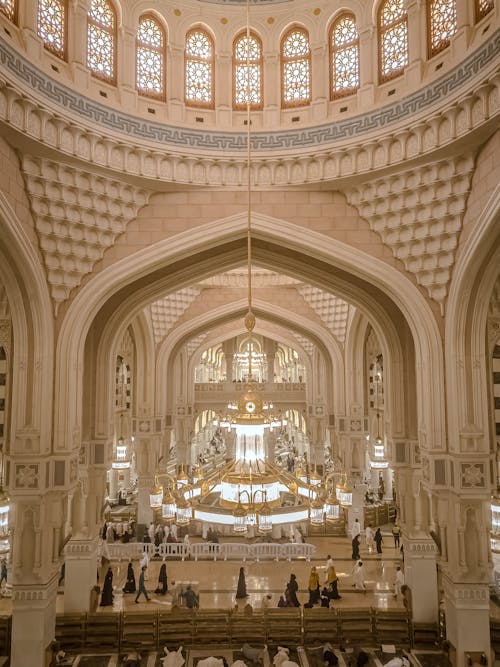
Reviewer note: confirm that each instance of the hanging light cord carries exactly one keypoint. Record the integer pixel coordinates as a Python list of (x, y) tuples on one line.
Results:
[(249, 319)]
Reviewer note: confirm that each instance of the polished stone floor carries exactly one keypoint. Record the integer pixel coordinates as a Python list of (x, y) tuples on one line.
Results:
[(217, 580)]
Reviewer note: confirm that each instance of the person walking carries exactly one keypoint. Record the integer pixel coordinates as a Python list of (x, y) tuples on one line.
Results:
[(3, 571), (130, 583), (398, 582), (356, 528), (355, 548), (396, 533), (378, 540), (332, 583), (369, 537), (314, 592), (291, 592), (142, 585), (162, 588), (190, 598), (107, 589), (241, 591), (358, 576)]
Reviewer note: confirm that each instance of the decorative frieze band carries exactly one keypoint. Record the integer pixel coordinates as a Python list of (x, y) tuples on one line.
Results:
[(46, 111)]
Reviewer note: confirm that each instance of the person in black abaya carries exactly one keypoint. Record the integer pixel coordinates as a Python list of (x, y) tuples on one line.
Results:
[(241, 591), (355, 548), (378, 540), (291, 590), (107, 589), (162, 581), (130, 584)]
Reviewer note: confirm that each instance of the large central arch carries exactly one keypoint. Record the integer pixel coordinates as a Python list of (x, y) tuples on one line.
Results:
[(400, 314)]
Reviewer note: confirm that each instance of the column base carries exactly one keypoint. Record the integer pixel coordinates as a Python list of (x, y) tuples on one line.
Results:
[(467, 607), (80, 575), (33, 623), (421, 577)]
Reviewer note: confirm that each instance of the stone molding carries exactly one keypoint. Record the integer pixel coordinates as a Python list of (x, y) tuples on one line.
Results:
[(35, 593), (76, 549), (466, 595), (419, 215), (421, 548), (78, 215), (43, 109)]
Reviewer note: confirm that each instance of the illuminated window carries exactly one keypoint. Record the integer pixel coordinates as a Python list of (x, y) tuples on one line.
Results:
[(441, 24), (150, 54), (247, 72), (393, 39), (101, 40), (52, 26), (199, 69), (483, 7), (296, 68), (344, 56), (9, 8)]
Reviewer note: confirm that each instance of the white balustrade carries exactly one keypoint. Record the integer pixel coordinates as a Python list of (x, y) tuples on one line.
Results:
[(235, 550), (208, 550)]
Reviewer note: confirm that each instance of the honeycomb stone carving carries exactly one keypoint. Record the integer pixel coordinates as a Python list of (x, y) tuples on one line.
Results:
[(307, 345), (419, 215), (332, 310), (166, 311), (78, 215), (195, 343)]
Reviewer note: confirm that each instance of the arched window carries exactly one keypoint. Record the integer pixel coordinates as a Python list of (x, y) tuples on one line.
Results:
[(483, 7), (52, 25), (101, 40), (441, 24), (9, 8), (393, 39), (247, 72), (150, 56), (199, 69), (295, 68), (344, 56)]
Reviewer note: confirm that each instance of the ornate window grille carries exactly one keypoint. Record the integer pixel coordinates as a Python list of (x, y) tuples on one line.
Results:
[(344, 57), (295, 68)]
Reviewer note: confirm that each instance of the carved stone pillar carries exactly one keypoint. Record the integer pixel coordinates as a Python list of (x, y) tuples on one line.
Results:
[(416, 42), (467, 608), (33, 622), (272, 89), (77, 43), (351, 438), (367, 67), (147, 447), (421, 576), (229, 348), (319, 80), (80, 575)]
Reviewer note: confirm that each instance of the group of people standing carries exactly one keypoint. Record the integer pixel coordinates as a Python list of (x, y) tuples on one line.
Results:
[(317, 595), (372, 538), (107, 596)]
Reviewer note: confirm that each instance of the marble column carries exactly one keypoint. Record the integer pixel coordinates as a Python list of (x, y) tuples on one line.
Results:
[(33, 622), (421, 576), (80, 575), (467, 609)]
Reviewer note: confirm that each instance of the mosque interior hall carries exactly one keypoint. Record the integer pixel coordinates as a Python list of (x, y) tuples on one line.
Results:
[(249, 333)]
